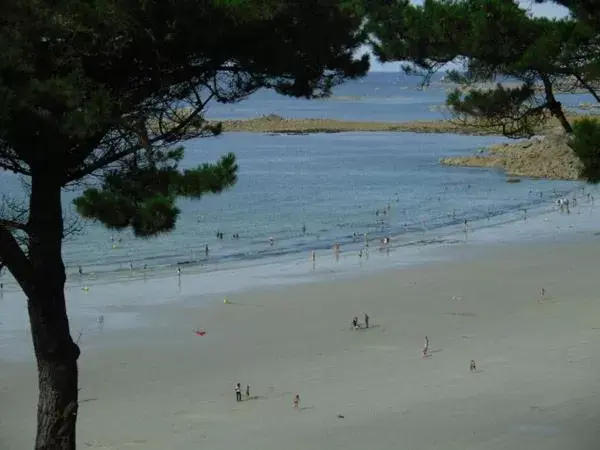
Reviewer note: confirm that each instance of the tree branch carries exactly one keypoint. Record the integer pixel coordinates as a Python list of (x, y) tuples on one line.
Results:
[(588, 87), (169, 134), (13, 224), (14, 258)]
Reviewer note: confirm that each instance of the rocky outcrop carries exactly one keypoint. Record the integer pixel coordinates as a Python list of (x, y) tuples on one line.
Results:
[(273, 123), (546, 156)]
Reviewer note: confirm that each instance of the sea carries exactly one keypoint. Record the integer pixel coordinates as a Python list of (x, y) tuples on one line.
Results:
[(299, 193), (307, 192)]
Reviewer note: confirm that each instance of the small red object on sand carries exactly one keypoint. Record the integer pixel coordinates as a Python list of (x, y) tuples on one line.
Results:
[(200, 332)]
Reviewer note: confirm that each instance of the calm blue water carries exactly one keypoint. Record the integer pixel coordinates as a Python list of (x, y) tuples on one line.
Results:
[(331, 184), (377, 97)]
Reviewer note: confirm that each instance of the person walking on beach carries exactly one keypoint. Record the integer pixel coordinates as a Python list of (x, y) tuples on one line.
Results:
[(426, 347), (366, 320), (238, 392), (355, 323), (296, 401), (248, 391)]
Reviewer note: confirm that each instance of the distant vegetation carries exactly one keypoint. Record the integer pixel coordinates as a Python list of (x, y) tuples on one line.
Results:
[(492, 40)]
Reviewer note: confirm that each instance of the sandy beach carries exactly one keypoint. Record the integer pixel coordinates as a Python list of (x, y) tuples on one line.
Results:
[(162, 386)]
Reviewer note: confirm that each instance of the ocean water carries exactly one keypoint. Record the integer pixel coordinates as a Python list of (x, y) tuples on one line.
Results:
[(298, 193), (384, 96)]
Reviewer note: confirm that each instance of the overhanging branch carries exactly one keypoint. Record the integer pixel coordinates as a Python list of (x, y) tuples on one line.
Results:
[(13, 225), (13, 257), (166, 134)]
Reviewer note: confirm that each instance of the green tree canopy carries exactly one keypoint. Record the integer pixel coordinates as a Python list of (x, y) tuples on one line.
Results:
[(493, 39), (101, 93)]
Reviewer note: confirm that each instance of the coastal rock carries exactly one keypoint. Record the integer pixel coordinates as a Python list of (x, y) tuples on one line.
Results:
[(273, 123), (547, 157)]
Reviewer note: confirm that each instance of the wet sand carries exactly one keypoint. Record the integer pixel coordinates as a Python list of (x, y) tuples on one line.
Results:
[(162, 386)]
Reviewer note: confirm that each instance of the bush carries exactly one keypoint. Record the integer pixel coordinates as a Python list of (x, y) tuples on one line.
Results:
[(585, 142)]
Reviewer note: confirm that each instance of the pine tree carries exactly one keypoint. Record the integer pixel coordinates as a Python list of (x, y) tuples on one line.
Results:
[(110, 90), (493, 40)]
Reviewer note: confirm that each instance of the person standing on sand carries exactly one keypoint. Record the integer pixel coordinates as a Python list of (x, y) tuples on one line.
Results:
[(366, 320), (238, 392), (248, 391), (296, 401), (426, 347)]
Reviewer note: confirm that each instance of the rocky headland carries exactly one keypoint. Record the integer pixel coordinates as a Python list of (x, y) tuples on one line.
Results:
[(547, 156)]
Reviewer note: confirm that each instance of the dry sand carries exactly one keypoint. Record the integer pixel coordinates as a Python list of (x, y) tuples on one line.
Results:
[(163, 387)]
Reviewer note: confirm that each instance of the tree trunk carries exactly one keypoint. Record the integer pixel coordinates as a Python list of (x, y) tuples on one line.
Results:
[(56, 356), (555, 106), (55, 351)]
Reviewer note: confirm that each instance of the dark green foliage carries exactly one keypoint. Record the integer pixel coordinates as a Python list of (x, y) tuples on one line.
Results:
[(511, 110), (144, 198), (99, 88), (493, 39), (110, 89), (585, 142)]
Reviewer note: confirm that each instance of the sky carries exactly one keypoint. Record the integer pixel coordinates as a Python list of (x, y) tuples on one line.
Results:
[(548, 9)]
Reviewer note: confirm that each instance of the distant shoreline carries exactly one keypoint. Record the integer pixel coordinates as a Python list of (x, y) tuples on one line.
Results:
[(277, 124), (273, 123), (549, 158)]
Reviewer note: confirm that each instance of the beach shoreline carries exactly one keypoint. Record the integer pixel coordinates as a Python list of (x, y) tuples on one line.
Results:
[(118, 298), (546, 156), (161, 386)]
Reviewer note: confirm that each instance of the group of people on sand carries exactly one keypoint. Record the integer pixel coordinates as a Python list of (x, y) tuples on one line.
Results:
[(564, 204), (356, 325), (238, 395)]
